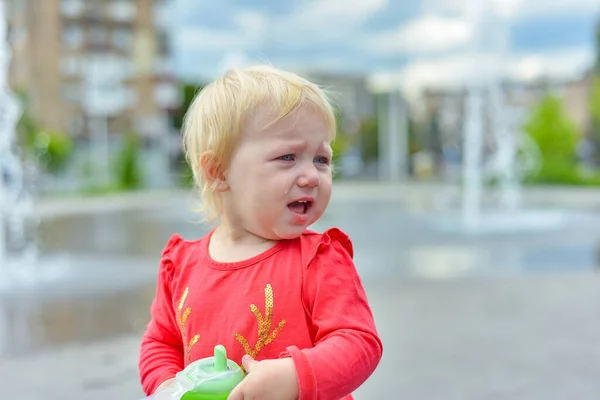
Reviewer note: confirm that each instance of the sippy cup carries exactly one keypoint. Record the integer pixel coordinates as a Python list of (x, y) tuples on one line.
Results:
[(214, 377), (211, 378)]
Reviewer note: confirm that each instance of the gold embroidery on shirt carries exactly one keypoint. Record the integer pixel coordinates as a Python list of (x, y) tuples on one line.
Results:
[(181, 321), (264, 326)]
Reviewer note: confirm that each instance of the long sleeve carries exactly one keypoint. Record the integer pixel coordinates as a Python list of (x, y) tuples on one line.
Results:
[(161, 351), (347, 348)]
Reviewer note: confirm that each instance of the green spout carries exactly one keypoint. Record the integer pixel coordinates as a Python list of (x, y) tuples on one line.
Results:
[(213, 377), (220, 359)]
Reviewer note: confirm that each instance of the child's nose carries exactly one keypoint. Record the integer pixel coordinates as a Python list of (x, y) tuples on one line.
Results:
[(309, 177)]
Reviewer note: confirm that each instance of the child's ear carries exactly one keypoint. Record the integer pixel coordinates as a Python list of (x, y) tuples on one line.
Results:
[(213, 171)]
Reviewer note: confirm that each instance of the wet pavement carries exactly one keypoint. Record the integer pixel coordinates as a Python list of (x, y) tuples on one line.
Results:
[(496, 315)]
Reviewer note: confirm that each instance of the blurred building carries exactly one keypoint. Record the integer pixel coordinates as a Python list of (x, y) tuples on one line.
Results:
[(77, 58), (445, 108), (350, 94), (444, 112)]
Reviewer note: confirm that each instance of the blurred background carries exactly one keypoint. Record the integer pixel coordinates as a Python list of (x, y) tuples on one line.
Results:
[(468, 177)]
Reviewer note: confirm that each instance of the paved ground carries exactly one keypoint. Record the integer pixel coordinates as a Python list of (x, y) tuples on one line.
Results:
[(523, 338), (462, 335)]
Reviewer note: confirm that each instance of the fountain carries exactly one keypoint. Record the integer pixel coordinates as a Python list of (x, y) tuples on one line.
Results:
[(15, 206), (19, 263), (25, 270), (490, 119), (65, 291)]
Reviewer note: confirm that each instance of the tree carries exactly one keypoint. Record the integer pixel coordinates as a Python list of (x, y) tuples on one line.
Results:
[(369, 139), (340, 145), (127, 164), (594, 100), (556, 136), (52, 150), (188, 92)]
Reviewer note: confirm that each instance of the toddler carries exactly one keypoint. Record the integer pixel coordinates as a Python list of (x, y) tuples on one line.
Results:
[(285, 301)]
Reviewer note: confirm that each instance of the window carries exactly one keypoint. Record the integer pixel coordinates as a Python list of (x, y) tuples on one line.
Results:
[(128, 68), (71, 92), (98, 36), (72, 36), (94, 9), (166, 94), (163, 42), (122, 39), (162, 65), (163, 14), (72, 8), (70, 66), (123, 10)]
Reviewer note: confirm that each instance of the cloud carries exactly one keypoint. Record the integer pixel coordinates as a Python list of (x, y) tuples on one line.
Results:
[(199, 38), (459, 69), (319, 20), (532, 8), (250, 21), (338, 11), (253, 35), (426, 34), (460, 25), (429, 47), (234, 59), (311, 22), (249, 27), (560, 64), (512, 9)]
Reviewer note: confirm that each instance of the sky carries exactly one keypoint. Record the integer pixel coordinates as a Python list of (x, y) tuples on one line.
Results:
[(406, 43)]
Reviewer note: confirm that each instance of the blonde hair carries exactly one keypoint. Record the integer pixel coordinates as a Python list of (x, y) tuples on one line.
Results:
[(214, 121)]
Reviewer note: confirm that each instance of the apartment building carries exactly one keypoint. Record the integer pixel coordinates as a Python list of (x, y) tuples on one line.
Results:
[(448, 106), (350, 94), (76, 59)]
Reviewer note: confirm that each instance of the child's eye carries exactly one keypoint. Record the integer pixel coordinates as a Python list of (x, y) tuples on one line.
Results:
[(287, 157), (322, 160)]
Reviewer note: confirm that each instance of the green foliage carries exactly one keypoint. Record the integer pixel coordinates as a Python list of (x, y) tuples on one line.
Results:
[(128, 170), (556, 136), (569, 175), (188, 92), (369, 139), (53, 150), (552, 130), (186, 175), (27, 127), (414, 137), (340, 144), (594, 100)]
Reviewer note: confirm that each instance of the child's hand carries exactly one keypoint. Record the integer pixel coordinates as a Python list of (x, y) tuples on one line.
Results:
[(267, 380)]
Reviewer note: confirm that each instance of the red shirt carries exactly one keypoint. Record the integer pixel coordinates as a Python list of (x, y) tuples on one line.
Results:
[(302, 298)]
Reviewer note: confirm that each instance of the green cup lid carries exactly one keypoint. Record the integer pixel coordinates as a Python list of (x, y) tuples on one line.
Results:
[(215, 374)]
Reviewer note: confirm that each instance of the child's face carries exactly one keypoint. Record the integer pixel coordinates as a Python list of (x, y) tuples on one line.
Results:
[(279, 178)]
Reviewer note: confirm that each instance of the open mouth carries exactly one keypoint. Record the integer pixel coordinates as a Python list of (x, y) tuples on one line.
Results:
[(300, 207)]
